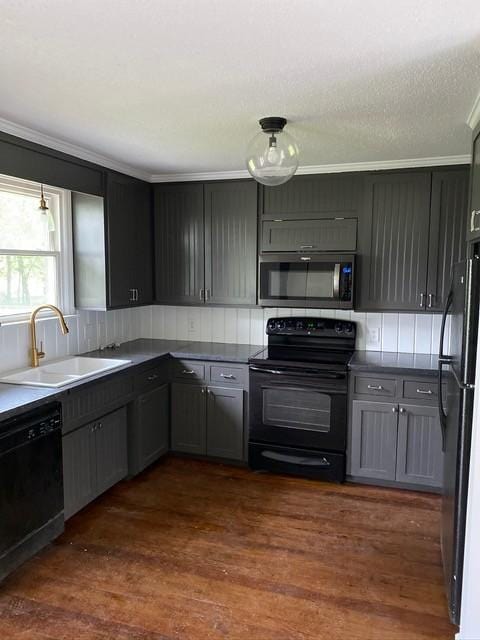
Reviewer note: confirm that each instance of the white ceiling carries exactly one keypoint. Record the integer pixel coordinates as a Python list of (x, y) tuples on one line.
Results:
[(177, 86)]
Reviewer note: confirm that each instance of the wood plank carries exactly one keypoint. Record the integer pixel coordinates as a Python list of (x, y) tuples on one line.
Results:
[(195, 550)]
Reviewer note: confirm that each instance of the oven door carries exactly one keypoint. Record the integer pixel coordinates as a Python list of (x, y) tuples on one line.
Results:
[(304, 408), (295, 280)]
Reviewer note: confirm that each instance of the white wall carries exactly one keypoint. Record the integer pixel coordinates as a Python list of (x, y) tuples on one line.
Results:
[(408, 333), (90, 329)]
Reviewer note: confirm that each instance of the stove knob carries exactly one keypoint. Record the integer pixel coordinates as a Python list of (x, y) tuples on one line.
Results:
[(299, 325), (271, 324), (348, 328), (338, 327), (280, 324)]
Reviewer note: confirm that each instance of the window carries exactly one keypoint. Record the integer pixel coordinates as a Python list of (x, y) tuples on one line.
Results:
[(35, 249)]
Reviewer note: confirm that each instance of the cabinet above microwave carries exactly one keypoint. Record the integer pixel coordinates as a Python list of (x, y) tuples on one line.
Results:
[(307, 280), (335, 234)]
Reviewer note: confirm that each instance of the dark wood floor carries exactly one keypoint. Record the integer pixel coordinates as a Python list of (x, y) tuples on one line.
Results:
[(196, 550)]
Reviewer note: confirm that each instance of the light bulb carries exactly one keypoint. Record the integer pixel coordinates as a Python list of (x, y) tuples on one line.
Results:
[(272, 156)]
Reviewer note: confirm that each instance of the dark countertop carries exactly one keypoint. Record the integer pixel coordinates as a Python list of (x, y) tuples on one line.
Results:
[(395, 363), (16, 399)]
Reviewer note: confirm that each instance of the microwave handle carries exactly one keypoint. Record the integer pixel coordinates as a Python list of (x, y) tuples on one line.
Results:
[(336, 281)]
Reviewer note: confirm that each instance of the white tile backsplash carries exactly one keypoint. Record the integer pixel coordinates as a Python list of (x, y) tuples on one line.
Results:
[(407, 333)]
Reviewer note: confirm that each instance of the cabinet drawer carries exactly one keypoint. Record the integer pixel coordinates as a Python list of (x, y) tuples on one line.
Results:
[(189, 370), (151, 378), (220, 374), (382, 387), (310, 235), (420, 389)]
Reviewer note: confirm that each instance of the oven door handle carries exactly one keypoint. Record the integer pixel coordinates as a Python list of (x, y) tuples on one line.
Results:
[(299, 460), (300, 374), (286, 386)]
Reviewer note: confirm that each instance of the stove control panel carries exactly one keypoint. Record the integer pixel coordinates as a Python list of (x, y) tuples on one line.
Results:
[(309, 326)]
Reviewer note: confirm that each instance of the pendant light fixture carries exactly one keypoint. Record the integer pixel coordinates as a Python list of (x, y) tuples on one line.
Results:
[(43, 203), (272, 155)]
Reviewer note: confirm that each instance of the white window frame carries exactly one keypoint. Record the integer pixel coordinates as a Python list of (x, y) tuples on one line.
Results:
[(60, 203)]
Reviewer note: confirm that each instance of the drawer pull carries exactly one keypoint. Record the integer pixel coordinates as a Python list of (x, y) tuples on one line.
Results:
[(152, 377), (227, 376), (425, 393), (188, 372), (306, 246), (375, 387)]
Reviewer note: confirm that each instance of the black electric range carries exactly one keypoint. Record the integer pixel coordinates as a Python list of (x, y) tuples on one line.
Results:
[(298, 397)]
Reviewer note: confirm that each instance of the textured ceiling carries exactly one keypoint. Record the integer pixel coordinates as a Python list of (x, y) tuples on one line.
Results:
[(178, 85)]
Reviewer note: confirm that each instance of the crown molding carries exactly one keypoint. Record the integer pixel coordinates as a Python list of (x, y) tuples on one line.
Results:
[(474, 115), (321, 168), (71, 149)]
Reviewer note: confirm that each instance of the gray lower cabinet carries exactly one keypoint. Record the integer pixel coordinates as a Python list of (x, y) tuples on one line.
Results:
[(419, 448), (373, 440), (94, 459), (148, 428), (189, 419), (399, 440), (225, 423)]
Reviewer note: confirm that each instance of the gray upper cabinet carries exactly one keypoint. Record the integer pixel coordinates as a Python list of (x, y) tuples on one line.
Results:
[(338, 234), (231, 242), (206, 243), (314, 197), (473, 218), (179, 243), (112, 245), (373, 446), (419, 446), (394, 242), (448, 226), (189, 418), (129, 234), (225, 423)]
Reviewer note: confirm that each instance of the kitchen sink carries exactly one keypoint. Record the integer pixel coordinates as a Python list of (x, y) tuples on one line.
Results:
[(62, 372)]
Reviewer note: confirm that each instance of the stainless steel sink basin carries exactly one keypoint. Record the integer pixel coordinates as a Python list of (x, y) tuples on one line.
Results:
[(62, 372)]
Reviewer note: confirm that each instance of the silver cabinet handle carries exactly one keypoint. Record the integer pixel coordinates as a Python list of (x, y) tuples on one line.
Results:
[(425, 393), (154, 376), (422, 299), (430, 300), (136, 295), (402, 410), (132, 295), (306, 246), (374, 387), (227, 376), (188, 372), (209, 392), (202, 295), (203, 389), (473, 226), (394, 409), (207, 294), (305, 258), (94, 427)]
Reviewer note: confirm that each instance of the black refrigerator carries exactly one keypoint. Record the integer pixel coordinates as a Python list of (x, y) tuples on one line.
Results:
[(456, 389)]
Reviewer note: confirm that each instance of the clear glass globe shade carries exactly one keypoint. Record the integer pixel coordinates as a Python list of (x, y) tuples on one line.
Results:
[(272, 162)]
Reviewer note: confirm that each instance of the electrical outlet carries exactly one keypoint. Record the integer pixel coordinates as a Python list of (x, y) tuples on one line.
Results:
[(192, 325), (373, 335)]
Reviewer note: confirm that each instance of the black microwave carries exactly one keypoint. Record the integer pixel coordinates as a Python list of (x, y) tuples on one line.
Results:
[(297, 280)]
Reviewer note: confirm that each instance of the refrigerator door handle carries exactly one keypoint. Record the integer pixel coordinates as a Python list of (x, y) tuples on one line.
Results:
[(442, 360)]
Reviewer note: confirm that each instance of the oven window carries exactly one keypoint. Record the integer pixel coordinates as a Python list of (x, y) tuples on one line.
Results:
[(297, 409)]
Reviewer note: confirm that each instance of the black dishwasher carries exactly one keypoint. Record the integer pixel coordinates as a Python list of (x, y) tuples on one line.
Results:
[(31, 484)]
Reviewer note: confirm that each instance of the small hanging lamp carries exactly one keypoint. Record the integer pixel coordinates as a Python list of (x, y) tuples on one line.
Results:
[(272, 155)]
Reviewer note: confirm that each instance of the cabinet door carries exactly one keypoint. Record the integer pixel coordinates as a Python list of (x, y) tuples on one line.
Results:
[(394, 242), (448, 226), (189, 420), (231, 242), (129, 226), (111, 449), (373, 442), (473, 218), (79, 469), (225, 423), (419, 448), (149, 428), (314, 235), (179, 243)]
